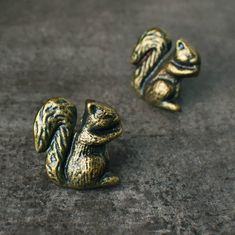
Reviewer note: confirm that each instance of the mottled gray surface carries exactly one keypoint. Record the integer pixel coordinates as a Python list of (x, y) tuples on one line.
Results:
[(177, 169)]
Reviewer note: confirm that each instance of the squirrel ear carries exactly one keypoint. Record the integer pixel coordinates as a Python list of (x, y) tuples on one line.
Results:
[(180, 44), (91, 106)]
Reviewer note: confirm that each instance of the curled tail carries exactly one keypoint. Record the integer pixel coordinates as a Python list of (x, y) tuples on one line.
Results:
[(53, 132), (152, 46)]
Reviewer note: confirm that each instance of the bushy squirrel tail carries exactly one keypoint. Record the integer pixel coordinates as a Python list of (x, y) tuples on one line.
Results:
[(53, 132), (152, 46)]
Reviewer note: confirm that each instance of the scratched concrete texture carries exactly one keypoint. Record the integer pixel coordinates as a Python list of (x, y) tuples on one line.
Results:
[(177, 169)]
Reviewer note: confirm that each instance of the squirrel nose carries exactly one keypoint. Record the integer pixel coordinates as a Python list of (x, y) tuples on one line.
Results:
[(195, 59)]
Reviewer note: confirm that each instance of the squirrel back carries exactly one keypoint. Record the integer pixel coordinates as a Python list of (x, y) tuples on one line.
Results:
[(53, 132)]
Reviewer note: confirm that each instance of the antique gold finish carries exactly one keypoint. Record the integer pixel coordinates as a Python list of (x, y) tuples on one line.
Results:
[(157, 76), (77, 159)]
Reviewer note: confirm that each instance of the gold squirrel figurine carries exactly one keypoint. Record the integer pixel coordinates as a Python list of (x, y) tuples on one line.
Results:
[(157, 76), (77, 159)]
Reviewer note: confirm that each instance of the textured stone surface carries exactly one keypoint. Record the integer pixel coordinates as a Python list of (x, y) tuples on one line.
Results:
[(177, 170)]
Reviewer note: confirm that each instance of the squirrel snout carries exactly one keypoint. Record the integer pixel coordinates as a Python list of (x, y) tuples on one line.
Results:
[(196, 59)]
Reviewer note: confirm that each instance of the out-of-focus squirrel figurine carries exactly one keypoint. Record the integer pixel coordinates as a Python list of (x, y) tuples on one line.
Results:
[(157, 76), (77, 159)]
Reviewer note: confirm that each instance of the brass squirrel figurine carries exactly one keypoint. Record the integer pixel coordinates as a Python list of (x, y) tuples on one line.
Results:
[(157, 76), (77, 159)]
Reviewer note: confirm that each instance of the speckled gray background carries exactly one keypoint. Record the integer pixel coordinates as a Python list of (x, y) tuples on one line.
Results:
[(177, 169)]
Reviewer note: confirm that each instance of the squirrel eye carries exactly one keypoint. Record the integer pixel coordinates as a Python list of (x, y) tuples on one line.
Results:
[(181, 46)]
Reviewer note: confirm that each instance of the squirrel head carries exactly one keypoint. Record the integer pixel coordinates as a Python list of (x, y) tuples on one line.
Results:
[(186, 59), (100, 123)]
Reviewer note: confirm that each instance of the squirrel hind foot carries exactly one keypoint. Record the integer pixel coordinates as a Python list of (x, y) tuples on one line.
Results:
[(168, 106), (109, 180)]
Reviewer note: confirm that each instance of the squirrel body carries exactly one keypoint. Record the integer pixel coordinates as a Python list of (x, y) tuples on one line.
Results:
[(158, 75), (77, 159)]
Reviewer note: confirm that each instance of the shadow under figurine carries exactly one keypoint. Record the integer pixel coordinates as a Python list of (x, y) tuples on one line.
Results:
[(77, 159), (157, 76)]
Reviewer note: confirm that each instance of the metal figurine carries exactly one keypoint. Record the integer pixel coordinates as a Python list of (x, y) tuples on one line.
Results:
[(77, 159), (157, 76)]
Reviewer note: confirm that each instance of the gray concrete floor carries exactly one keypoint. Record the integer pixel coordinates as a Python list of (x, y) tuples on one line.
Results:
[(177, 169)]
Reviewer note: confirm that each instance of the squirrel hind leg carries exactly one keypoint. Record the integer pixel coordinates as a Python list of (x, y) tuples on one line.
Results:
[(168, 106), (108, 180), (161, 93)]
